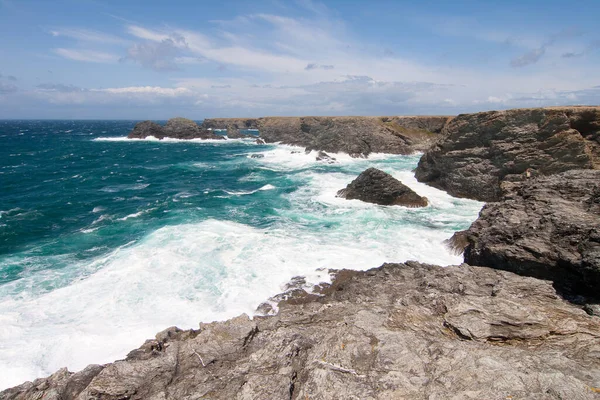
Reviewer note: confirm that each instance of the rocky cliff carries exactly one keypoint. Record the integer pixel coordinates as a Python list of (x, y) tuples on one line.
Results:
[(357, 136), (401, 331), (547, 227), (477, 152)]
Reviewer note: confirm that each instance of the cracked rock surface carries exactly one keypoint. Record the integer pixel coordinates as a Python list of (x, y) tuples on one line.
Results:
[(400, 331)]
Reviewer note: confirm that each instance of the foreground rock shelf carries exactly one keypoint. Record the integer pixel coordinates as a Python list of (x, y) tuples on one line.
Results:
[(410, 331)]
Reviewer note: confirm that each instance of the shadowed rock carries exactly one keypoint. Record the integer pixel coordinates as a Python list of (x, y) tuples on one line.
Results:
[(547, 227), (401, 331), (376, 186), (477, 152)]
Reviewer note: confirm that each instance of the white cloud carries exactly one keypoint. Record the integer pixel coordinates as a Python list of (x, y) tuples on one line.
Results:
[(85, 35), (87, 55), (155, 90)]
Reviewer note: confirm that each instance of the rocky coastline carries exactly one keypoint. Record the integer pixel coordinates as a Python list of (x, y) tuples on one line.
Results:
[(519, 320), (357, 136)]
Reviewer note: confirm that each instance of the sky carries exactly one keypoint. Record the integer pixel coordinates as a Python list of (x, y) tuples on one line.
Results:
[(134, 59)]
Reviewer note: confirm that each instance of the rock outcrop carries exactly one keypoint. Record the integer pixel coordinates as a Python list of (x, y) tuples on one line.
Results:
[(547, 227), (176, 128), (376, 186), (401, 331), (145, 129), (477, 152), (357, 136)]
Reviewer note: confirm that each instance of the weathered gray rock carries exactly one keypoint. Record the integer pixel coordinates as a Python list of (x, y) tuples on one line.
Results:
[(401, 331), (145, 129), (547, 227), (477, 152), (357, 136), (176, 128), (376, 186)]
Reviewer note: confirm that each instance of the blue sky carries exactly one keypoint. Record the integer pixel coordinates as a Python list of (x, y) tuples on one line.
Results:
[(157, 59)]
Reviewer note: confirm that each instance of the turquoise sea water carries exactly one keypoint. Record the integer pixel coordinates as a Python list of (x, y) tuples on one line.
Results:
[(105, 241)]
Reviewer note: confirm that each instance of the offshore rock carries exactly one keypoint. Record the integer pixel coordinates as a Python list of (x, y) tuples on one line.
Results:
[(401, 331), (357, 136), (376, 186), (176, 128), (547, 227), (145, 129), (477, 152)]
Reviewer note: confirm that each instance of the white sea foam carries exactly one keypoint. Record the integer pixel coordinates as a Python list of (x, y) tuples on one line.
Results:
[(124, 187), (134, 215), (242, 193)]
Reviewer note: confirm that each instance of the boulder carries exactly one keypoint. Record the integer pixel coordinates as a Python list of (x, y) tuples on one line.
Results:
[(376, 186), (477, 152), (547, 227), (400, 331)]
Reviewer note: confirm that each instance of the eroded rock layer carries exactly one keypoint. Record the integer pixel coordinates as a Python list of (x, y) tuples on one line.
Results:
[(401, 331), (477, 152)]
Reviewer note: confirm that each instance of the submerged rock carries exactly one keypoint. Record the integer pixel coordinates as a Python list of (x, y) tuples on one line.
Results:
[(376, 186), (547, 227), (322, 156), (401, 331), (477, 152)]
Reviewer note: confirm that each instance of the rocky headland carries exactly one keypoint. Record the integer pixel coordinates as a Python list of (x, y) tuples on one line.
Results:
[(477, 152), (523, 324), (357, 136)]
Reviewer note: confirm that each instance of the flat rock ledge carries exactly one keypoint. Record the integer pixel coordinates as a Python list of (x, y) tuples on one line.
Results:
[(376, 186), (400, 331)]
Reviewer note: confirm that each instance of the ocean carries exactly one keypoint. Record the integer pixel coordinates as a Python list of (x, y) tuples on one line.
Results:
[(105, 241)]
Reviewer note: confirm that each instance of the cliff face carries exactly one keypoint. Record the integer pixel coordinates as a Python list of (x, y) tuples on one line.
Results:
[(477, 152), (401, 331), (357, 136), (547, 227)]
